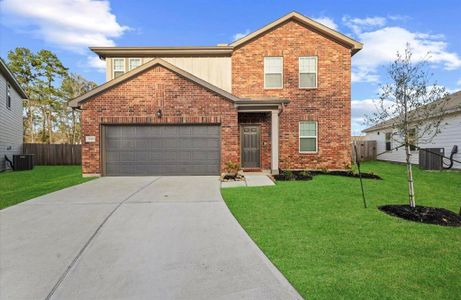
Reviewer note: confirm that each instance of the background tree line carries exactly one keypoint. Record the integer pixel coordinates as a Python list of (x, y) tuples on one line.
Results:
[(49, 86)]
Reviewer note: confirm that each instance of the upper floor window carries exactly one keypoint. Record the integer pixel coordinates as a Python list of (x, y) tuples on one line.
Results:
[(8, 96), (273, 72), (307, 136), (388, 137), (308, 72), (133, 63), (118, 67)]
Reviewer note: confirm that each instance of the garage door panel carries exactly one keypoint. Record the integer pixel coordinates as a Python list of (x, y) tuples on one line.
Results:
[(143, 143), (162, 150)]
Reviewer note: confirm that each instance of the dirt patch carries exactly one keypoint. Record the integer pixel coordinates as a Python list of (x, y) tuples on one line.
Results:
[(423, 214)]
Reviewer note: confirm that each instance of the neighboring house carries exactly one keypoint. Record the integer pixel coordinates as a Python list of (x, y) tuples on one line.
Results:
[(449, 136), (11, 127), (276, 98)]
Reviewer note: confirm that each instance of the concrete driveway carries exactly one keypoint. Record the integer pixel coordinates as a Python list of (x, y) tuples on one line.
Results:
[(133, 238)]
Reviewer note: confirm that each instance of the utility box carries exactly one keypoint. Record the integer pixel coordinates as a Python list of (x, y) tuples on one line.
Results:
[(431, 158), (23, 162)]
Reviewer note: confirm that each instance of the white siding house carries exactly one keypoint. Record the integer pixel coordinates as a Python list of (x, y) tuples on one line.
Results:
[(450, 135), (11, 127)]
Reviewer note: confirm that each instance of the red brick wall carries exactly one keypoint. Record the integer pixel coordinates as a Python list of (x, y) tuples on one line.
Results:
[(329, 104), (137, 100)]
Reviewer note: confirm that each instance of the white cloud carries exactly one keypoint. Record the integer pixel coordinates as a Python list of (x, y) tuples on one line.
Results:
[(98, 64), (458, 83), (329, 22), (69, 24), (382, 43), (360, 109), (240, 35), (357, 24)]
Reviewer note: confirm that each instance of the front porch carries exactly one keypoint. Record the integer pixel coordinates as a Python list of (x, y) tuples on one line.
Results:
[(258, 122)]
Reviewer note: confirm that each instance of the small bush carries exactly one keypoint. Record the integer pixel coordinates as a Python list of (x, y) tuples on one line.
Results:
[(232, 168), (289, 175)]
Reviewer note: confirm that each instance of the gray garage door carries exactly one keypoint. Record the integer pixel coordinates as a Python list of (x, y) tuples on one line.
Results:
[(162, 150)]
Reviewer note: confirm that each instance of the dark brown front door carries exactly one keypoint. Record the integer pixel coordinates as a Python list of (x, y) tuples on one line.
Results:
[(250, 146)]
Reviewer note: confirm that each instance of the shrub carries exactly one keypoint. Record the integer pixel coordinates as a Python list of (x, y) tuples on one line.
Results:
[(232, 167), (289, 175)]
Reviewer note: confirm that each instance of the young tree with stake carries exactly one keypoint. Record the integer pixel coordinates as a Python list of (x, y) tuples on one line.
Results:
[(412, 105)]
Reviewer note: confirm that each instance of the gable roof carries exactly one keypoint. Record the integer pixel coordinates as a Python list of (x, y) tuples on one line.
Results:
[(452, 105), (224, 50), (157, 61), (353, 44), (11, 79)]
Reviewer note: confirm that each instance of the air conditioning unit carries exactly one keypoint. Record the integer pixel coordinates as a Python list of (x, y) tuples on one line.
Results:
[(23, 162)]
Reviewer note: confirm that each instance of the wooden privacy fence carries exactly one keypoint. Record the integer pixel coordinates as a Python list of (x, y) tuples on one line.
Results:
[(366, 150), (55, 154)]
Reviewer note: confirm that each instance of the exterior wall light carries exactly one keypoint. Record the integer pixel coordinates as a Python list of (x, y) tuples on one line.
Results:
[(159, 113)]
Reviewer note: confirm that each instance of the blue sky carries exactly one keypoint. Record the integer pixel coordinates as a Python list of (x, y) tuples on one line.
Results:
[(69, 27)]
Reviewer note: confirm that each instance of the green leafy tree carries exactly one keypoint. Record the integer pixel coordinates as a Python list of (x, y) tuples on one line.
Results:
[(21, 61), (414, 107), (73, 86), (47, 117), (49, 69)]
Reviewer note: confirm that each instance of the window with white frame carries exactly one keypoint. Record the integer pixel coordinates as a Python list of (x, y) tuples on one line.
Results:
[(307, 136), (273, 72), (8, 96), (118, 67), (133, 63), (388, 140), (308, 72)]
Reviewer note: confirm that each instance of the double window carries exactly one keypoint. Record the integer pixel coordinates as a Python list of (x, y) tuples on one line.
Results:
[(308, 72), (8, 96), (118, 67), (273, 72), (308, 136)]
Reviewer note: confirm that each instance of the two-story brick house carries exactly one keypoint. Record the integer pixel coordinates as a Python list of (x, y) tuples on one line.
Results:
[(276, 98)]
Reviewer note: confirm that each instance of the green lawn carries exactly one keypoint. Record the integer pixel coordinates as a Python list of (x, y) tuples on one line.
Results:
[(16, 187), (329, 247)]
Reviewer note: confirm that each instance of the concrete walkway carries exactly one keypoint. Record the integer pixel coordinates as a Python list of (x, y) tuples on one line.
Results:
[(133, 238), (251, 179)]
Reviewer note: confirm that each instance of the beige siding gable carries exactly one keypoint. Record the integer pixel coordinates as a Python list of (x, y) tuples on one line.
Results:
[(215, 70)]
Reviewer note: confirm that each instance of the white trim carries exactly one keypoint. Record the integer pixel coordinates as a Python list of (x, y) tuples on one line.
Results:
[(113, 66), (130, 59), (316, 136), (316, 72), (264, 74)]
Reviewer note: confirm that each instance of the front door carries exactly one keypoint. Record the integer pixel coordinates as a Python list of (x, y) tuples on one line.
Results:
[(250, 146)]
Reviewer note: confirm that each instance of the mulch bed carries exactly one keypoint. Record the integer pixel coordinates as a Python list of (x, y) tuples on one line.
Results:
[(232, 177), (294, 175), (308, 175), (423, 214)]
